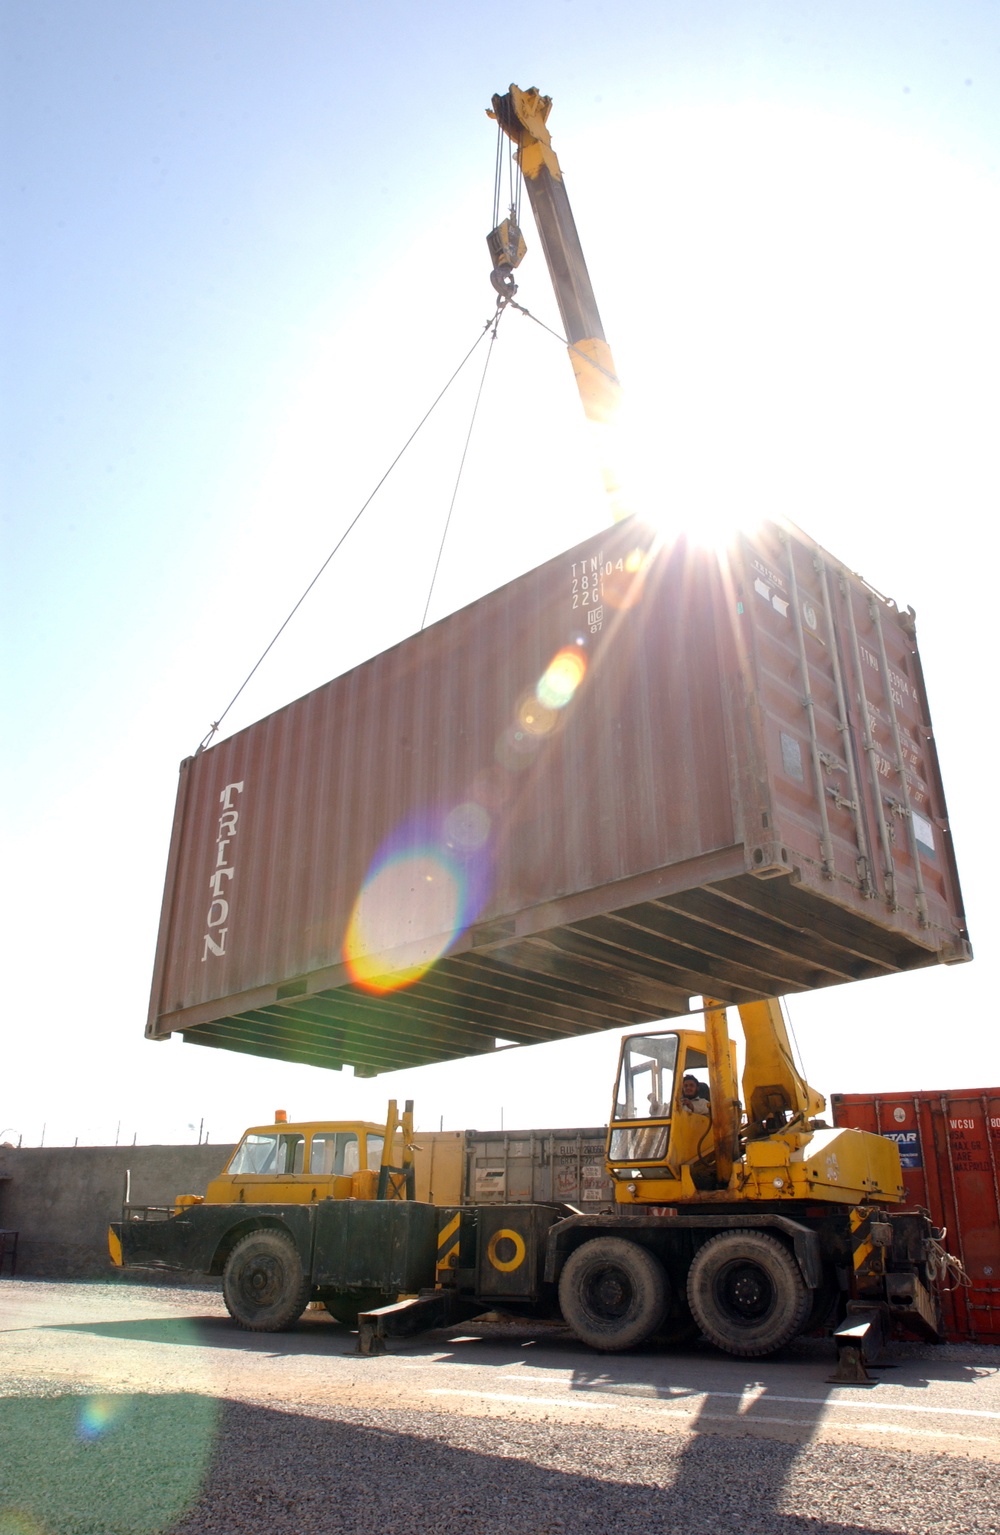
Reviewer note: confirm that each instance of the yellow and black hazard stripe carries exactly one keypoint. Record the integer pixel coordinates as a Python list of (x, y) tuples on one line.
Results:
[(448, 1240), (867, 1256)]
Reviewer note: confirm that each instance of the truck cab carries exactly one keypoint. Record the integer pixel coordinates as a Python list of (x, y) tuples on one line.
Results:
[(300, 1163)]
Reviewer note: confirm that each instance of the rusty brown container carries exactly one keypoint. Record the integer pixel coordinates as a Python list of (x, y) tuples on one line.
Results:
[(949, 1145), (641, 772)]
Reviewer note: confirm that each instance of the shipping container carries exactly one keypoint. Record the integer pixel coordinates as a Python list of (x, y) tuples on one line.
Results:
[(538, 1167), (645, 771), (949, 1145)]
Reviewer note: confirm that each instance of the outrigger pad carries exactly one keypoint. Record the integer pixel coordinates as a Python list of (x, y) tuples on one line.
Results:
[(405, 1318), (859, 1340)]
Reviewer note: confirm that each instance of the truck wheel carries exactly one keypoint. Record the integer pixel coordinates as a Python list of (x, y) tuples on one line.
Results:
[(746, 1293), (613, 1293), (345, 1306), (263, 1284)]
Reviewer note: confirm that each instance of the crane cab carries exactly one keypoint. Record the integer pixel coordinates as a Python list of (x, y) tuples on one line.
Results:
[(660, 1126)]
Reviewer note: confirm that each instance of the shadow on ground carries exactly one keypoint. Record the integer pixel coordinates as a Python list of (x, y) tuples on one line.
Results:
[(186, 1465)]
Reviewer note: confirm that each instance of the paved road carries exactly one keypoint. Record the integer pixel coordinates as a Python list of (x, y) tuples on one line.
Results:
[(917, 1450)]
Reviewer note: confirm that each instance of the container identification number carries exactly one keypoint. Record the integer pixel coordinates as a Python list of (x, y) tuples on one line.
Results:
[(587, 587)]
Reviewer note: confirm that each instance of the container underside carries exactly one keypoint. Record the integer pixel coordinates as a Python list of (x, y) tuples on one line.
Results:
[(736, 940)]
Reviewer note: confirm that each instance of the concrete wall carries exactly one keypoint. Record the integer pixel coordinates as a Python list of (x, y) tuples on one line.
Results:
[(61, 1198)]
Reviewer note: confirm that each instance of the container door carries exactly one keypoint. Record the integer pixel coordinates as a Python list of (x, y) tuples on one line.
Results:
[(849, 752), (966, 1137)]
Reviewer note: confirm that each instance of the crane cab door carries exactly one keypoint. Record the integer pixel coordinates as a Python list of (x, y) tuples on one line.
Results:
[(656, 1124)]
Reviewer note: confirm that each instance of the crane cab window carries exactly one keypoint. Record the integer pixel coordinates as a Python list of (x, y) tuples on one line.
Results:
[(334, 1153), (645, 1091), (268, 1154)]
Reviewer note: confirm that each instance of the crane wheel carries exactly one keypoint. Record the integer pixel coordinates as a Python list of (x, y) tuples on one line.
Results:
[(613, 1293), (746, 1293), (263, 1285)]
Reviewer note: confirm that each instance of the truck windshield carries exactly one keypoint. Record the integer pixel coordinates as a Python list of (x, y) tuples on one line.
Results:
[(273, 1154)]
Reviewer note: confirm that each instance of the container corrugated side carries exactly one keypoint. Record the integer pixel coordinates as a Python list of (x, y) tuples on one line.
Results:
[(949, 1145), (642, 772), (505, 1167)]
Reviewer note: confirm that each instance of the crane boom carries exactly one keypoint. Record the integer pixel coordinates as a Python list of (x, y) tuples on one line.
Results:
[(523, 116)]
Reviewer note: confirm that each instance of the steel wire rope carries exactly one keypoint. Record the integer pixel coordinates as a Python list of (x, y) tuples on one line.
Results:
[(461, 463), (569, 345), (490, 323), (498, 176)]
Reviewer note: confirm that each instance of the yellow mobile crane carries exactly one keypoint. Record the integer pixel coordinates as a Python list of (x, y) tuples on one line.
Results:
[(750, 1225)]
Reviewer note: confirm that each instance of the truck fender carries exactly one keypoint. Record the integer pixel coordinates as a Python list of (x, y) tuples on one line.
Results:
[(241, 1228)]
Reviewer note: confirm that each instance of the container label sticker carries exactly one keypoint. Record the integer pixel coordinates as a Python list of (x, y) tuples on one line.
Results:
[(923, 831), (779, 604), (490, 1180), (769, 584), (595, 1182), (791, 757), (908, 1142)]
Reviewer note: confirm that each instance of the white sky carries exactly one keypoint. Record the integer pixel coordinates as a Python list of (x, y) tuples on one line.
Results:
[(245, 247)]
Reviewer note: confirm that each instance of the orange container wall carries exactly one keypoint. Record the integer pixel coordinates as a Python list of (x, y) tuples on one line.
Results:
[(949, 1145), (641, 772)]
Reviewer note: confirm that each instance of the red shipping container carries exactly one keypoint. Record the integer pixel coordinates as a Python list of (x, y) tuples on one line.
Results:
[(642, 772), (949, 1145)]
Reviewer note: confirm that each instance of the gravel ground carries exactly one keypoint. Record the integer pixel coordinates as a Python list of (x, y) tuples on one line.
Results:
[(183, 1464), (419, 1472), (178, 1463)]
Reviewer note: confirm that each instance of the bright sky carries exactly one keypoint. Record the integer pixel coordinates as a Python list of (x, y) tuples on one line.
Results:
[(245, 248)]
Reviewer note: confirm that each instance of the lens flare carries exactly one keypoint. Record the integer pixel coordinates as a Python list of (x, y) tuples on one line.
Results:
[(103, 1462), (99, 1415), (405, 918), (423, 888), (562, 677), (468, 826), (16, 1521)]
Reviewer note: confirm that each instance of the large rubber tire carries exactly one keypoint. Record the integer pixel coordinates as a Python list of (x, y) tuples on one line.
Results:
[(746, 1293), (345, 1306), (613, 1293), (263, 1284)]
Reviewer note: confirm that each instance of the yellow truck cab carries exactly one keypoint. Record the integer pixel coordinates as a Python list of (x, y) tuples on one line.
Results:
[(298, 1163)]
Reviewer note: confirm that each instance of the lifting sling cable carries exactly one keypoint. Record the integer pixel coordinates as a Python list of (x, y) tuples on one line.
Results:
[(490, 323), (461, 465), (569, 345)]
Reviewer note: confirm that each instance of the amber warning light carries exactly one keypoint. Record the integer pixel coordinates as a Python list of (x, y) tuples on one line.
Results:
[(281, 1116)]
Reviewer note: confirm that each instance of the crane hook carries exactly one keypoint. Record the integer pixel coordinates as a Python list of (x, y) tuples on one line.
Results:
[(502, 279)]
